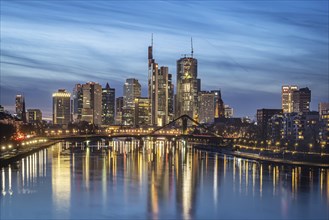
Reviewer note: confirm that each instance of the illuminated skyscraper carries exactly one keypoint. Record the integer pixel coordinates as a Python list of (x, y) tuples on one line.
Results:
[(108, 105), (131, 90), (34, 115), (228, 111), (20, 107), (218, 104), (119, 110), (142, 117), (188, 87), (61, 107), (302, 100), (287, 98), (77, 102), (160, 90), (92, 103), (206, 107)]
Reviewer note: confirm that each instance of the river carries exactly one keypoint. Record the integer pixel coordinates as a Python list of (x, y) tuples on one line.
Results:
[(157, 180)]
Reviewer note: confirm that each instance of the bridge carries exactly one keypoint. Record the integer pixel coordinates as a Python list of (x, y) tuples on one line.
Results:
[(199, 133)]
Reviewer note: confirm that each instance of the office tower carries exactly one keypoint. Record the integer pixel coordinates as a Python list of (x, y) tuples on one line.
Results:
[(20, 107), (119, 110), (206, 107), (160, 90), (131, 90), (108, 105), (219, 104), (287, 98), (263, 117), (228, 111), (92, 103), (188, 87), (302, 99), (323, 106), (61, 107), (142, 117), (77, 102), (34, 115)]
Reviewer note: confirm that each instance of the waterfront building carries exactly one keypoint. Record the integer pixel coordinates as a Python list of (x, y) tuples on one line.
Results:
[(34, 115), (61, 107), (228, 111), (92, 103), (160, 92), (118, 110), (206, 107), (131, 90), (108, 105), (188, 87), (20, 107), (77, 102), (263, 116), (287, 98), (324, 128), (142, 112)]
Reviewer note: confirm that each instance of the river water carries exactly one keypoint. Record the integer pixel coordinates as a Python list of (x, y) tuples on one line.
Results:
[(157, 180)]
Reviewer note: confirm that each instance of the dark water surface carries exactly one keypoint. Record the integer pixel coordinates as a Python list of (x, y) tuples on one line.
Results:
[(157, 180)]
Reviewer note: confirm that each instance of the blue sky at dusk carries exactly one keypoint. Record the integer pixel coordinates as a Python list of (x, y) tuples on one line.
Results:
[(248, 49)]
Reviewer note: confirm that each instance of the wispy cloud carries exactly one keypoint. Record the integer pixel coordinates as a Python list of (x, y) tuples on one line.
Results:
[(249, 47)]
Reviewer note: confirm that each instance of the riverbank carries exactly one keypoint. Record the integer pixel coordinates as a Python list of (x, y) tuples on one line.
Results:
[(259, 157), (13, 156)]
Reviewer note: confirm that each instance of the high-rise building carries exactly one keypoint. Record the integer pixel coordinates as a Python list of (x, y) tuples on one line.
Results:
[(34, 115), (219, 104), (287, 98), (302, 100), (131, 90), (142, 117), (160, 90), (188, 87), (92, 103), (77, 102), (263, 117), (228, 111), (108, 105), (323, 106), (61, 107), (206, 107), (20, 107), (119, 110)]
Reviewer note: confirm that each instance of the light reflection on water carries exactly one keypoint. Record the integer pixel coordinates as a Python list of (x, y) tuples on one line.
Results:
[(157, 179)]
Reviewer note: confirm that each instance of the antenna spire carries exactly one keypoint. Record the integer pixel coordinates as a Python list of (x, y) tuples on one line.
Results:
[(191, 47)]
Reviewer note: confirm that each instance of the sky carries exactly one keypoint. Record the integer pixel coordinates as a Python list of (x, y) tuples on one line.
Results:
[(248, 49)]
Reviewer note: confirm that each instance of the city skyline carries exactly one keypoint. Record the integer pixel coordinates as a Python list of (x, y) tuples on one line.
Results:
[(46, 46)]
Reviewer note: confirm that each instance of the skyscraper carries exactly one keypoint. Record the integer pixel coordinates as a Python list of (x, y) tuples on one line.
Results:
[(92, 103), (142, 117), (131, 90), (20, 107), (61, 107), (218, 104), (34, 115), (108, 105), (304, 99), (118, 110), (160, 90), (188, 87), (206, 107), (287, 98), (77, 102)]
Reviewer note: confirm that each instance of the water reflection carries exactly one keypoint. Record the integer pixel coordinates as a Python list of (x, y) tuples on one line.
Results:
[(157, 179)]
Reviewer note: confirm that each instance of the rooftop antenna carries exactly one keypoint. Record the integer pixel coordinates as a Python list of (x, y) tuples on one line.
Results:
[(191, 47)]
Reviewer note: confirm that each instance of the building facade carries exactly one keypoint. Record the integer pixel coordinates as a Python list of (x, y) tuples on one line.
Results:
[(301, 100), (228, 111), (218, 104), (34, 115), (61, 107), (206, 107), (77, 102), (263, 117), (92, 103), (20, 107), (118, 110), (142, 112), (188, 87), (131, 90), (108, 105), (287, 98)]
